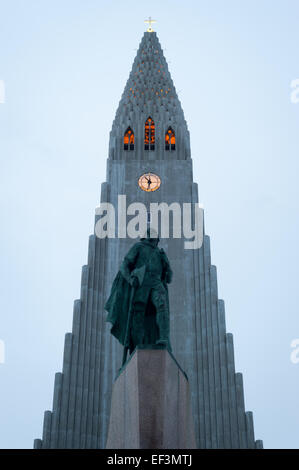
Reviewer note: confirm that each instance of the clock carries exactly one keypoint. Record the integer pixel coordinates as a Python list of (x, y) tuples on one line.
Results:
[(149, 182)]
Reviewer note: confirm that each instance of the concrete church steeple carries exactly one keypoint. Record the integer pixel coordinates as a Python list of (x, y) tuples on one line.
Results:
[(149, 136), (149, 93)]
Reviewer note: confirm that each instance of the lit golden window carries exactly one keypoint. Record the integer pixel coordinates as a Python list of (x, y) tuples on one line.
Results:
[(129, 139), (149, 134), (170, 139)]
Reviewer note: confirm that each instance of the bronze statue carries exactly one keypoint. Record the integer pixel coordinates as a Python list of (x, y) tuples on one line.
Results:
[(138, 305)]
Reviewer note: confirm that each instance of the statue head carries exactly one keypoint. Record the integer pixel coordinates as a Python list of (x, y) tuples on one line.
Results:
[(152, 236)]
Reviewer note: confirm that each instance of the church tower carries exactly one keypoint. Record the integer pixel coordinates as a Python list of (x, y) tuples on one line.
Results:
[(149, 162)]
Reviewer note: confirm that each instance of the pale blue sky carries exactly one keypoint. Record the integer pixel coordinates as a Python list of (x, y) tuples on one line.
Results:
[(65, 64)]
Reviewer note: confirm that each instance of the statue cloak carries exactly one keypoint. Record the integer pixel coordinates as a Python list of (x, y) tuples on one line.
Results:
[(118, 302)]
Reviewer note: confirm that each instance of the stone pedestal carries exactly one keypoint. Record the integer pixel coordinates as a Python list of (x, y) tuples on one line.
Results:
[(151, 405)]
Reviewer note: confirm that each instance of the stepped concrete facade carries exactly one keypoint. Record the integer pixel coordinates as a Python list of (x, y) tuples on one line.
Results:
[(201, 345)]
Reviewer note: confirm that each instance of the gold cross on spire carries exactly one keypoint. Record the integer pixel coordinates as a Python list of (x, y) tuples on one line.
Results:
[(150, 21)]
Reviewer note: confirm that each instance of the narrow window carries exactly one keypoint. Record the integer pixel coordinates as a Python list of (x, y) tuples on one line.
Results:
[(170, 139), (149, 134), (129, 139)]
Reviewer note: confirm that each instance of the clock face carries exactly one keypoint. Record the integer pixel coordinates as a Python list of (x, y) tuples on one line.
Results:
[(149, 182)]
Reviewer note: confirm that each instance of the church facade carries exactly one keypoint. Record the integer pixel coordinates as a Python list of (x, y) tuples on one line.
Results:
[(149, 162)]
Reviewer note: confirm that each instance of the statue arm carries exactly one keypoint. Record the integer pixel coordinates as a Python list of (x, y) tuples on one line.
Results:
[(128, 263)]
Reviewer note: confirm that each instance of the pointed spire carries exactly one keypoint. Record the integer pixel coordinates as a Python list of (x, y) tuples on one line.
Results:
[(149, 92)]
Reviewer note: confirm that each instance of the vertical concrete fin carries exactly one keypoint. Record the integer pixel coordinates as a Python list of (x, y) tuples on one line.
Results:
[(259, 444), (106, 370), (87, 393), (94, 411), (204, 376), (56, 409), (221, 313), (197, 393), (67, 355), (93, 346), (76, 317), (232, 391), (224, 376), (38, 443), (47, 429), (105, 190), (73, 374), (65, 396), (250, 430), (84, 276), (194, 190), (81, 357), (211, 368), (241, 410), (216, 356), (91, 250)]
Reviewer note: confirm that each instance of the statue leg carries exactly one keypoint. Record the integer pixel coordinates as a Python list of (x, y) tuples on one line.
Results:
[(137, 325), (158, 297)]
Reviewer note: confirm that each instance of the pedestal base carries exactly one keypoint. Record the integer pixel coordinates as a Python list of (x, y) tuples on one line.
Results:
[(150, 406)]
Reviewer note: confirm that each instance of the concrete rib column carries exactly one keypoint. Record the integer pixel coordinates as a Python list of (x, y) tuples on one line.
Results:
[(80, 359), (102, 377), (241, 410), (87, 345), (47, 430), (250, 430), (193, 326), (259, 444), (73, 374), (94, 358), (204, 376), (106, 385), (224, 379), (37, 444), (99, 281), (106, 351), (198, 386), (216, 356), (56, 410), (65, 393), (207, 263), (94, 334), (106, 337), (232, 390)]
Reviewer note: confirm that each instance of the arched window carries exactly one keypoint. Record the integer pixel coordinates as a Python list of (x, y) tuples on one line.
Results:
[(149, 134), (129, 139), (170, 139)]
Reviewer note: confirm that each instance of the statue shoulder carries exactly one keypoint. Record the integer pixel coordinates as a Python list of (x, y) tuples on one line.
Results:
[(139, 244), (164, 256), (136, 247), (162, 253), (132, 253)]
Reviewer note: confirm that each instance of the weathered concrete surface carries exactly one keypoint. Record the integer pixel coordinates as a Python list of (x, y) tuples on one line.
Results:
[(151, 405)]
